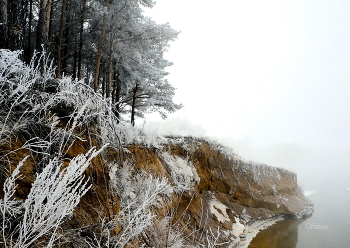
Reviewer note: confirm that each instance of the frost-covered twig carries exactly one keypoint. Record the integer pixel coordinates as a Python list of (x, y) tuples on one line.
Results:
[(53, 196), (135, 216), (213, 240)]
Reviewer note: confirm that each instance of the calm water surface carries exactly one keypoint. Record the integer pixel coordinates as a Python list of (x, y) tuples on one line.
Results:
[(329, 226)]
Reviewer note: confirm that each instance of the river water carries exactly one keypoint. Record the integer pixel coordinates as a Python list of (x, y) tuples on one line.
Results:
[(328, 227), (328, 174)]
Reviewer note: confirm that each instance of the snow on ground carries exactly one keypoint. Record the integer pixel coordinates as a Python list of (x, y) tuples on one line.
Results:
[(219, 210), (237, 228)]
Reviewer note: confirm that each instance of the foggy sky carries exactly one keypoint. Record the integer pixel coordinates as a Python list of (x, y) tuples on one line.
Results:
[(264, 74), (272, 79), (271, 72)]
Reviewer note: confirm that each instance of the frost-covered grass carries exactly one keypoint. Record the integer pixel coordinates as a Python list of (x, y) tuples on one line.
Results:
[(30, 94), (175, 127)]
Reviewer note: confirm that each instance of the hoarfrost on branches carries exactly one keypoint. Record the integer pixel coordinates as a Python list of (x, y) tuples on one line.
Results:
[(183, 173), (138, 188), (53, 196), (163, 233), (137, 195)]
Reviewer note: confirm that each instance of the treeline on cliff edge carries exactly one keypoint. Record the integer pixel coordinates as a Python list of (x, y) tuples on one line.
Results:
[(110, 44)]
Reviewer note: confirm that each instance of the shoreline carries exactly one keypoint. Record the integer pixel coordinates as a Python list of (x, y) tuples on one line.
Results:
[(252, 230)]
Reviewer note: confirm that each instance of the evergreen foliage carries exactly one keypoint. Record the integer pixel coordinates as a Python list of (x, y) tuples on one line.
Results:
[(108, 41)]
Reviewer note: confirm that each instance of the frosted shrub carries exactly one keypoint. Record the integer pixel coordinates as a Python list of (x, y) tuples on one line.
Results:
[(138, 194), (29, 94), (137, 187), (13, 71), (183, 173), (22, 90), (140, 135)]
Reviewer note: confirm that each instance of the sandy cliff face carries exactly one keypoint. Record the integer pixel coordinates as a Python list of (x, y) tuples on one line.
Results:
[(226, 191), (212, 189)]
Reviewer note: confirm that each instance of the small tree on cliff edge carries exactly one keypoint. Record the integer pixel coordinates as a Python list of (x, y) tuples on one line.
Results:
[(141, 71)]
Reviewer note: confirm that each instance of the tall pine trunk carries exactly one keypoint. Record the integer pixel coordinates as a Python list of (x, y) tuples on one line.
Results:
[(116, 94), (67, 41), (4, 27), (133, 105), (42, 33), (81, 41), (99, 52), (110, 65), (50, 23), (28, 52), (60, 39), (75, 60)]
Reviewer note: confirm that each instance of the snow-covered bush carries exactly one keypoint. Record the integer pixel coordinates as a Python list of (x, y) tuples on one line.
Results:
[(138, 187), (15, 81), (183, 173), (10, 207), (33, 95), (139, 135)]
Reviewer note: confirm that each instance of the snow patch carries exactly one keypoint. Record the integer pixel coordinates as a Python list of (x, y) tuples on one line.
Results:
[(219, 210), (237, 228)]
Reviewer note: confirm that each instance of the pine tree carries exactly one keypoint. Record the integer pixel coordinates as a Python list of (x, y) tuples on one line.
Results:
[(110, 41), (43, 26)]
